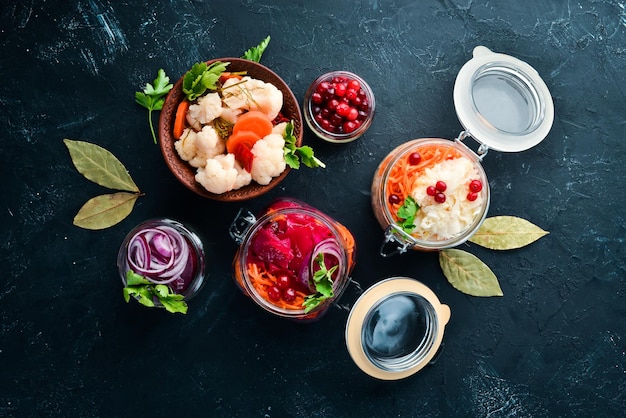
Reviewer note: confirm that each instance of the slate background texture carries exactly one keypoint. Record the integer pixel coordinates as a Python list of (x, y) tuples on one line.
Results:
[(553, 346)]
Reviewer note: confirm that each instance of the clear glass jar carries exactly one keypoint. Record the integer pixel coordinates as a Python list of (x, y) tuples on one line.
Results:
[(336, 114), (275, 262), (414, 169), (164, 251)]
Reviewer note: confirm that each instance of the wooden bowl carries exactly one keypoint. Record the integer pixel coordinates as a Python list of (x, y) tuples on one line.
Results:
[(184, 172)]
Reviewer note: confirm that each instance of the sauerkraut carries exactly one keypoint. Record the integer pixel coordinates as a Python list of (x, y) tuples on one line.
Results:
[(440, 221)]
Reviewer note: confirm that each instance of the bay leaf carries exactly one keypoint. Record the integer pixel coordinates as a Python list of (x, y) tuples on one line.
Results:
[(100, 166), (507, 233), (106, 210), (467, 273)]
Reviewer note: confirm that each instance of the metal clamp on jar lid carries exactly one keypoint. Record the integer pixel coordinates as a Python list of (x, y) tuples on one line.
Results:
[(396, 328)]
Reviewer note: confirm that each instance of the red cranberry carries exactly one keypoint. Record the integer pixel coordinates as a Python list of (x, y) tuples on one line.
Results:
[(415, 158), (441, 186), (289, 295), (354, 84), (431, 191), (274, 293), (349, 126), (475, 186), (440, 197), (394, 199), (471, 196)]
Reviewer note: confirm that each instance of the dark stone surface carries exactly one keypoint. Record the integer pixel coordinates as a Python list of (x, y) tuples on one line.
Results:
[(554, 345)]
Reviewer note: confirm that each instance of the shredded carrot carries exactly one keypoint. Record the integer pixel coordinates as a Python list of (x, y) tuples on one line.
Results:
[(262, 280), (179, 121), (403, 174)]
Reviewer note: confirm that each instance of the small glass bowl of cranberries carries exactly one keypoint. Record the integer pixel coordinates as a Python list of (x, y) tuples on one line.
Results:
[(339, 106)]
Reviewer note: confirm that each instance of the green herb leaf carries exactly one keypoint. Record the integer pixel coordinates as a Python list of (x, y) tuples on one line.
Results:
[(202, 77), (106, 210), (406, 214), (100, 166), (153, 96), (467, 273), (133, 279), (255, 53), (507, 233), (293, 154), (145, 292), (323, 285)]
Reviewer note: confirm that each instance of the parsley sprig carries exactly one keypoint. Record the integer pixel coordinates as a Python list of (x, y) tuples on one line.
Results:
[(202, 77), (293, 154), (406, 214), (323, 285), (145, 292), (255, 53), (153, 96)]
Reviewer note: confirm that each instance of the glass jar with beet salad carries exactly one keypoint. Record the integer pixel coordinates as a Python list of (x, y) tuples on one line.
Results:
[(294, 261), (339, 106), (162, 264), (432, 193)]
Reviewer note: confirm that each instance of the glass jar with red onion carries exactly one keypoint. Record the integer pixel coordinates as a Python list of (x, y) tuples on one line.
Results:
[(157, 253), (294, 261), (339, 106)]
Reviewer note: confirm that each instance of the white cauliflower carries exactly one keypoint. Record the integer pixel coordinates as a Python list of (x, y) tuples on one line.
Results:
[(198, 147), (268, 158), (252, 94), (219, 175), (208, 108), (280, 129), (230, 115), (186, 145)]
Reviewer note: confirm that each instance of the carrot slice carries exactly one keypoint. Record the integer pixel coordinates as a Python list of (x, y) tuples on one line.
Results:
[(179, 120), (245, 138), (254, 121)]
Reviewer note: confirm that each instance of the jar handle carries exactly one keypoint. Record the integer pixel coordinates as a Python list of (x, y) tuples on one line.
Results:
[(394, 242), (240, 225)]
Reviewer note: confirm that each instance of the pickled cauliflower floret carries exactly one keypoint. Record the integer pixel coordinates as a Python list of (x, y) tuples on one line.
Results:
[(452, 217), (252, 94), (198, 147), (280, 129), (208, 108), (219, 175), (268, 158)]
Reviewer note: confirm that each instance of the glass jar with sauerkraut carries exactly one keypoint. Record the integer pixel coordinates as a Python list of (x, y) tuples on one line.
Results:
[(294, 261), (429, 194)]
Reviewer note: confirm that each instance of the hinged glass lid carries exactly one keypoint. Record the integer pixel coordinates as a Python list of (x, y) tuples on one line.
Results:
[(502, 102)]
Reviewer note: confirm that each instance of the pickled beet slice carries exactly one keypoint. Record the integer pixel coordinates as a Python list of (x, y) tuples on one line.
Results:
[(270, 249)]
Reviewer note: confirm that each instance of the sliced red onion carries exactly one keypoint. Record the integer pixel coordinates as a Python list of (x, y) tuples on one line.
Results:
[(326, 247), (160, 254)]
